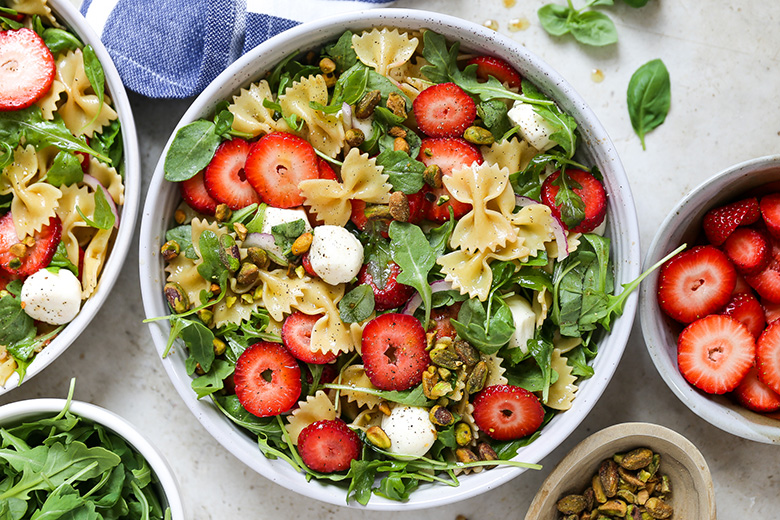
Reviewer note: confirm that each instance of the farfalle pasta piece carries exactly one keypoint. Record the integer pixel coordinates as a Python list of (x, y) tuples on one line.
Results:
[(384, 49), (234, 309), (317, 407), (280, 292), (355, 376), (513, 154), (81, 111), (329, 333), (562, 392), (183, 271), (366, 419), (534, 225), (249, 114), (325, 132), (48, 103), (94, 257), (34, 203), (541, 306), (495, 370), (108, 177), (33, 7), (361, 178), (72, 223)]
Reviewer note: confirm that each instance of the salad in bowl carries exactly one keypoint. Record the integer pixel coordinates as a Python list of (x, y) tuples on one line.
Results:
[(384, 261)]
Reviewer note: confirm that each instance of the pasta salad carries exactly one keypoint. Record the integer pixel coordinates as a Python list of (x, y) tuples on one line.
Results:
[(387, 263), (61, 179)]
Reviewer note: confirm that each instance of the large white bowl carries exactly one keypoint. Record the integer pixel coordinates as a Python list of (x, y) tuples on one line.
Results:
[(597, 150), (25, 411), (67, 13), (683, 225)]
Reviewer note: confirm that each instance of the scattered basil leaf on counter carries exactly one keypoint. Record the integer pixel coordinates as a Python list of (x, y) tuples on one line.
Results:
[(65, 170), (357, 305), (636, 3), (587, 26), (405, 174), (649, 97), (103, 216), (58, 40), (414, 255)]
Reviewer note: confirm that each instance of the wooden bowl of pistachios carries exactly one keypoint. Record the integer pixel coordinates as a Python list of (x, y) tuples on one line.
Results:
[(628, 471)]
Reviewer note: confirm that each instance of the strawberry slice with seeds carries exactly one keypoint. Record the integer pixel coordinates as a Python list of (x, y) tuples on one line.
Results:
[(771, 310), (767, 282), (194, 193), (276, 164), (296, 337), (748, 249), (448, 154), (267, 379), (742, 286), (755, 395), (770, 211), (444, 110), (747, 309), (768, 356), (714, 353), (22, 258), (393, 350), (383, 280), (26, 69), (506, 412), (591, 191), (490, 66), (695, 283), (225, 179), (720, 223), (329, 445)]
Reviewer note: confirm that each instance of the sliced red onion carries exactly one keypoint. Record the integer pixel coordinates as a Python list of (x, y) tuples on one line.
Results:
[(560, 237), (261, 240), (525, 201), (346, 114), (93, 183), (415, 301)]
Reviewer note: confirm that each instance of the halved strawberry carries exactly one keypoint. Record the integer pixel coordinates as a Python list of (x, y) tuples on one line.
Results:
[(755, 395), (506, 412), (329, 445), (441, 317), (721, 222), (225, 178), (268, 379), (747, 309), (393, 350), (296, 337), (498, 68), (770, 211), (714, 353), (768, 356), (748, 249), (276, 164), (194, 193), (444, 110), (771, 310), (448, 154), (591, 191), (767, 282), (695, 283), (21, 259), (324, 170), (27, 69), (391, 294)]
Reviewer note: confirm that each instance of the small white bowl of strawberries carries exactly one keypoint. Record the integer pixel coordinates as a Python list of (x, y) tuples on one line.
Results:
[(710, 313)]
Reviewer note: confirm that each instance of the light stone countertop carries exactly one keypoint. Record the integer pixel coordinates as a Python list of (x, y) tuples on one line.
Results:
[(724, 61)]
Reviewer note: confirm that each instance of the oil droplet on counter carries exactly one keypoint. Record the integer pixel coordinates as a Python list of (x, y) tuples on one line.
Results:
[(519, 24), (491, 24), (509, 3), (597, 75)]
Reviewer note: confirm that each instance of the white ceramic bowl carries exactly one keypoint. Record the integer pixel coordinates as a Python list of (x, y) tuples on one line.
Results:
[(597, 150), (24, 411), (67, 13), (683, 225)]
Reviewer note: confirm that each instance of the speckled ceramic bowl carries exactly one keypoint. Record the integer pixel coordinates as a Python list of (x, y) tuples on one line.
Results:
[(683, 225), (597, 149)]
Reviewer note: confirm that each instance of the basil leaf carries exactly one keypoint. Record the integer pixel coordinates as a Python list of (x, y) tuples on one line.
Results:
[(357, 305), (593, 28), (494, 115), (60, 260), (65, 170), (486, 333), (109, 143), (415, 256), (191, 150), (649, 97), (58, 40), (405, 174), (223, 121), (286, 234), (341, 52), (555, 18), (182, 235), (15, 324), (103, 215), (636, 3), (212, 268), (97, 79)]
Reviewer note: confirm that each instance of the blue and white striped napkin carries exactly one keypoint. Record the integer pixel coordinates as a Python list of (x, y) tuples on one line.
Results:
[(174, 48)]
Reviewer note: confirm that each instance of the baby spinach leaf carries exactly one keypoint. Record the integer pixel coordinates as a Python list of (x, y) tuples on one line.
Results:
[(103, 216), (486, 333), (58, 40), (97, 79), (349, 88), (191, 150), (357, 305), (212, 268), (65, 170), (494, 116), (182, 235), (414, 255), (649, 97), (541, 351), (15, 324), (109, 143), (405, 174)]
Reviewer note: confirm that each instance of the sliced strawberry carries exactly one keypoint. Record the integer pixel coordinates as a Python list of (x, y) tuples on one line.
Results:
[(767, 282), (324, 170), (448, 154), (506, 412), (358, 217), (755, 395), (27, 69), (268, 379), (306, 263), (591, 191), (6, 278), (748, 249), (225, 178), (695, 283), (328, 375), (742, 286), (21, 259), (721, 222), (714, 353), (194, 193), (768, 356), (747, 309), (441, 317), (389, 295), (771, 310), (296, 336), (416, 203), (444, 110), (770, 211), (329, 445), (498, 68), (276, 164), (393, 350)]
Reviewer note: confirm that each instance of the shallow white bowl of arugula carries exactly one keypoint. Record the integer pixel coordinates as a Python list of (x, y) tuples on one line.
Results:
[(594, 149)]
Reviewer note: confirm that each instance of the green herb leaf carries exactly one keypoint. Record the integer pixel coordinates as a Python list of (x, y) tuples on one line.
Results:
[(357, 305), (60, 260), (412, 397), (109, 143), (341, 52), (103, 216), (405, 174), (211, 268), (199, 340), (182, 235), (213, 380), (494, 116), (571, 205), (58, 40), (192, 149), (486, 333), (65, 170), (97, 79), (555, 18), (593, 28), (636, 3), (649, 97), (541, 350), (15, 324), (414, 255), (285, 234)]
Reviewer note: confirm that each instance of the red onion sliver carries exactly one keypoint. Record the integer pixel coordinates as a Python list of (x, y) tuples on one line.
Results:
[(261, 240), (415, 301), (525, 201), (346, 114), (93, 183), (560, 238)]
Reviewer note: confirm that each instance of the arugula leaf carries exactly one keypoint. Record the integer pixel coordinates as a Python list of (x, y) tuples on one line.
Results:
[(109, 143), (341, 52), (213, 380), (15, 324), (414, 255), (405, 174), (199, 340), (58, 40), (362, 474), (65, 170), (571, 205), (357, 305), (192, 149), (563, 124), (103, 216), (97, 79), (60, 260), (411, 397), (649, 97), (541, 350)]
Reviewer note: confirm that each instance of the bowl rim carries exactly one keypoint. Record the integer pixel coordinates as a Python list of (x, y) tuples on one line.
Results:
[(705, 406), (65, 11), (29, 408), (150, 270)]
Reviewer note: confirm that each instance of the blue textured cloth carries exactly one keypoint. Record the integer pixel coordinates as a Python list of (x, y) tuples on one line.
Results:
[(175, 48)]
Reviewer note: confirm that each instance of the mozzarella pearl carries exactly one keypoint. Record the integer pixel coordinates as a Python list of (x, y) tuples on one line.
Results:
[(53, 298), (410, 430), (335, 254)]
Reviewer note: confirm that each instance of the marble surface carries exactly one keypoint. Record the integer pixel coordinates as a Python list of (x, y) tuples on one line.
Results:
[(724, 61)]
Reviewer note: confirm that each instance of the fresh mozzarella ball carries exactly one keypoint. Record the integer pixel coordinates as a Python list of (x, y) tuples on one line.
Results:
[(335, 254), (525, 322), (533, 127), (275, 216), (53, 298), (410, 430)]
